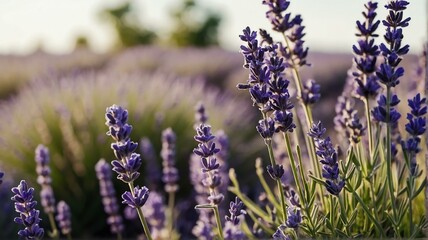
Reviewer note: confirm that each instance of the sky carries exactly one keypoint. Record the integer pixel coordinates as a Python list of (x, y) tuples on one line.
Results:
[(54, 24)]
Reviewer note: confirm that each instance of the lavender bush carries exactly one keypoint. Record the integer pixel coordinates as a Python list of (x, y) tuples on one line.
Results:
[(370, 184), (66, 115)]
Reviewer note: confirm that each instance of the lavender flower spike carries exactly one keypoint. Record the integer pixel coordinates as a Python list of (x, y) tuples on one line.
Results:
[(64, 217), (232, 226), (170, 172), (328, 157), (206, 150), (108, 195), (29, 216), (128, 162), (43, 170)]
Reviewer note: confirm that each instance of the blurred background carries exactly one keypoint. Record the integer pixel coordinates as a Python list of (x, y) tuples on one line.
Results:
[(63, 62)]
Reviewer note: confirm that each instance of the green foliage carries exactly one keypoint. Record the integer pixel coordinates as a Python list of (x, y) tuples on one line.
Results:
[(128, 32), (188, 32)]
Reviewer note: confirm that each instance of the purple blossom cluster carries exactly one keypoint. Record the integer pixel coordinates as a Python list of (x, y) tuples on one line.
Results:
[(328, 157), (267, 85), (415, 127), (170, 172), (155, 213), (28, 215), (108, 195), (282, 22), (232, 228), (64, 217), (43, 170), (366, 53), (389, 73), (128, 162), (206, 150), (347, 120)]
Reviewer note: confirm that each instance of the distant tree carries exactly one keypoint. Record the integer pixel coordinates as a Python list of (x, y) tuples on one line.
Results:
[(129, 33), (189, 31)]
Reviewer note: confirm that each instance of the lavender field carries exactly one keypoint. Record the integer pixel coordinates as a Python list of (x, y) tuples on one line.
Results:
[(270, 141)]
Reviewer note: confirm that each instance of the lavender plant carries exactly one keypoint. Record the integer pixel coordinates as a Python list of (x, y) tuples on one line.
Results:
[(108, 194), (64, 218), (28, 215), (47, 197), (128, 162), (371, 171)]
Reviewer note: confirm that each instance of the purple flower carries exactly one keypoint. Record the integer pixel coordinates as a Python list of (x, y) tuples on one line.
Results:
[(294, 217), (311, 92), (108, 195), (1, 177), (283, 121), (292, 197), (29, 216), (44, 178), (206, 150), (416, 126), (200, 114), (236, 209), (416, 106), (170, 172), (128, 162), (388, 73), (64, 217), (254, 59), (380, 113), (153, 174), (317, 130), (138, 199), (328, 157), (366, 53), (266, 127), (232, 226), (275, 172), (355, 129), (155, 214), (279, 234), (279, 22), (42, 165)]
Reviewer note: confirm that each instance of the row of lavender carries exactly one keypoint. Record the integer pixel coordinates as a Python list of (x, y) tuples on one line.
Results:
[(373, 188)]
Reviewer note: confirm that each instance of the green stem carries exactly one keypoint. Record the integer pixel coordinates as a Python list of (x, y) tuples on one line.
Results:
[(119, 236), (141, 215), (55, 233), (369, 129), (171, 202), (389, 159), (69, 237), (278, 181), (217, 217), (293, 166)]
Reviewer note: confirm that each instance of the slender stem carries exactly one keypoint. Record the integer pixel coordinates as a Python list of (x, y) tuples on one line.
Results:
[(55, 233), (69, 236), (141, 215), (278, 181), (369, 129), (119, 236), (171, 201), (389, 158), (293, 166), (308, 116), (217, 217), (333, 215)]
